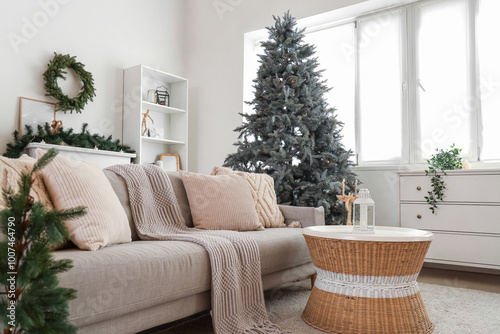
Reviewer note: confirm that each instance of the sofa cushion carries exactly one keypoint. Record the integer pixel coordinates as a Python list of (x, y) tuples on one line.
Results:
[(280, 248), (180, 194), (79, 183), (124, 278), (263, 193), (120, 187), (121, 279), (222, 202)]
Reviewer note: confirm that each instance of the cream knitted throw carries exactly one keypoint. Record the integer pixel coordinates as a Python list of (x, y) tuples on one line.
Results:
[(237, 297)]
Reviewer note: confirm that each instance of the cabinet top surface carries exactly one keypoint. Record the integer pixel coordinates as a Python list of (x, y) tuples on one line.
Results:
[(79, 149), (382, 233), (454, 172)]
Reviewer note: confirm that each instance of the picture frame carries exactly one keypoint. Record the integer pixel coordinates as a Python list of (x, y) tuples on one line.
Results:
[(34, 112), (171, 162), (156, 132)]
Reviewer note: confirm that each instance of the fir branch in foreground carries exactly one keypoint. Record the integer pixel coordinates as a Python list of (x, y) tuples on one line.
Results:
[(33, 302)]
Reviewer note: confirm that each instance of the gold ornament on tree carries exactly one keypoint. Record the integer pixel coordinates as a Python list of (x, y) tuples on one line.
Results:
[(144, 125), (348, 199)]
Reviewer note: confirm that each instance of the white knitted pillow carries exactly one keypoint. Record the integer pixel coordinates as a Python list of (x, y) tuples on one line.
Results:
[(79, 183), (264, 196)]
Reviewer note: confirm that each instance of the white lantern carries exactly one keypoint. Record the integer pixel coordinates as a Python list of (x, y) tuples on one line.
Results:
[(363, 218)]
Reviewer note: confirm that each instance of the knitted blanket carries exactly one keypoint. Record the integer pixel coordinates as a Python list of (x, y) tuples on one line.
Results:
[(237, 297)]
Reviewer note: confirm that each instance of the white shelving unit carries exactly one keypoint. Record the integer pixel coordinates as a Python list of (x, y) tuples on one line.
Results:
[(173, 119)]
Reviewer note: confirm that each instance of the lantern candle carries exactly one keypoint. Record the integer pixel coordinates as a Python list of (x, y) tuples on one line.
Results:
[(364, 213)]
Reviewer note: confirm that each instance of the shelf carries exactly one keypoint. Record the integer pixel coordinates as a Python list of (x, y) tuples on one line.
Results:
[(173, 119), (162, 141), (161, 76), (160, 108)]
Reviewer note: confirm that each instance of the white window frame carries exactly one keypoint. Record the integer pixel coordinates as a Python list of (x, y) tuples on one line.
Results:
[(404, 158)]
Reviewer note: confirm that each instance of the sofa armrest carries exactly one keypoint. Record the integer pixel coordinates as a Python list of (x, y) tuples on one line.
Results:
[(307, 216)]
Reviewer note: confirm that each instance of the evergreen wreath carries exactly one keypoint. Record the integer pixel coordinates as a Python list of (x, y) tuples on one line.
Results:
[(55, 70), (83, 139)]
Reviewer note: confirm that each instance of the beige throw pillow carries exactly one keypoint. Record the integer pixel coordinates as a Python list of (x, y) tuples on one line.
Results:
[(262, 190), (10, 174), (220, 202), (79, 183)]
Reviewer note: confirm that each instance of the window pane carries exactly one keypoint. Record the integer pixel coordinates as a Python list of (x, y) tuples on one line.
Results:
[(443, 102), (380, 87), (334, 49), (488, 27)]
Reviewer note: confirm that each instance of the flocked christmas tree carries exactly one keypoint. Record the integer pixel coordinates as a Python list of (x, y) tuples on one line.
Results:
[(294, 135), (32, 301)]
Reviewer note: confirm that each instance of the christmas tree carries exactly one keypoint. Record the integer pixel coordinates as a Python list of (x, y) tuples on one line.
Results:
[(33, 302), (293, 135)]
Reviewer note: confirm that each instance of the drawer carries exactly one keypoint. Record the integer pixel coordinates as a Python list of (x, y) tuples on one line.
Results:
[(451, 217), (465, 248), (475, 188)]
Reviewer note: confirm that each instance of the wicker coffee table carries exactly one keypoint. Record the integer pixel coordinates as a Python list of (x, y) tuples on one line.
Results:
[(366, 283)]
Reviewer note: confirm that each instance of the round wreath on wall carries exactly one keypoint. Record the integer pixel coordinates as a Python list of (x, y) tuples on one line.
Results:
[(56, 69)]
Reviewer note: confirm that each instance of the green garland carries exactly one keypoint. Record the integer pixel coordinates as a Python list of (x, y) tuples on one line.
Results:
[(83, 139), (55, 70)]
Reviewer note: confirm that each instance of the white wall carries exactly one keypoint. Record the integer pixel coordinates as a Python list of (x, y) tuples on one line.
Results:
[(106, 36)]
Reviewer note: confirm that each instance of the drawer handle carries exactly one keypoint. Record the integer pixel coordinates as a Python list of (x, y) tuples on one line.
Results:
[(419, 188), (419, 216)]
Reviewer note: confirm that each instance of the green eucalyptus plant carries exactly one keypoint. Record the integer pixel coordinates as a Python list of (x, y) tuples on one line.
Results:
[(439, 163)]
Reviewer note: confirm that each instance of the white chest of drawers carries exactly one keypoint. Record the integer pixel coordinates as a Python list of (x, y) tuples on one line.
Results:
[(466, 225)]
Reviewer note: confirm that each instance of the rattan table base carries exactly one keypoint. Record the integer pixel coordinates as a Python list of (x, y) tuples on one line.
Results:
[(367, 287), (335, 313)]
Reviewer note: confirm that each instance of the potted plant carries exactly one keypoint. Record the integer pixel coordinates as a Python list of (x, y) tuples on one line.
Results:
[(439, 163)]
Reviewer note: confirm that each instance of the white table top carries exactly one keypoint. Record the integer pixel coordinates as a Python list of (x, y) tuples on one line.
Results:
[(382, 233)]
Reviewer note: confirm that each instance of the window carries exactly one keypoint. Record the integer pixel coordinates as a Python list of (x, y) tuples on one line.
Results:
[(488, 95), (379, 87), (444, 116), (334, 51), (410, 79)]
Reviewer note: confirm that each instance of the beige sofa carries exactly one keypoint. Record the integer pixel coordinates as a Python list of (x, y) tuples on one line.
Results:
[(132, 287)]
